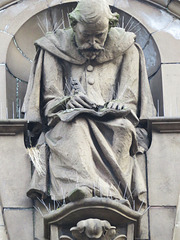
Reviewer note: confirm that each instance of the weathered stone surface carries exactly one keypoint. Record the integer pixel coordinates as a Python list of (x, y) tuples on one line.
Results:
[(176, 233), (1, 217), (19, 223), (170, 76), (3, 235), (39, 228), (174, 6), (147, 14), (163, 169), (5, 3), (12, 18), (162, 2), (3, 92), (171, 53), (15, 172), (5, 39), (91, 210), (144, 228), (56, 2), (162, 223)]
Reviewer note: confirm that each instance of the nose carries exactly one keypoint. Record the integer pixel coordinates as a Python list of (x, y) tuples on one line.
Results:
[(92, 40)]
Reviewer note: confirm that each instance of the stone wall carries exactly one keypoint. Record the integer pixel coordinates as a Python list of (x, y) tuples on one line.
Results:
[(162, 165)]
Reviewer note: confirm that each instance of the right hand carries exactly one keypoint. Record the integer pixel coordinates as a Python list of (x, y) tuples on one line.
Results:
[(80, 100)]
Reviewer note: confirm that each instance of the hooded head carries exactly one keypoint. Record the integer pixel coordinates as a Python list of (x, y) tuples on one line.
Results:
[(91, 21)]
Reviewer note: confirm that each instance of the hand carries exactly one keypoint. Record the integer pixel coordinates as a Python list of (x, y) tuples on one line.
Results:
[(80, 101), (115, 104)]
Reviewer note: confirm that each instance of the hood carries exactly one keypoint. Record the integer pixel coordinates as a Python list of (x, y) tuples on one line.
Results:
[(61, 44)]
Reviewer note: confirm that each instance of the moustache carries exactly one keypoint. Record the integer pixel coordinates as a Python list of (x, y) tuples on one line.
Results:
[(91, 48)]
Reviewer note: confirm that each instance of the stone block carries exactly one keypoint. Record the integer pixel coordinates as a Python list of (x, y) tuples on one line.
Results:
[(39, 221), (5, 3), (161, 2), (170, 83), (144, 228), (174, 7), (163, 169), (15, 172), (5, 40), (19, 223), (3, 92), (150, 16), (3, 235), (162, 223), (56, 2), (14, 17), (169, 37), (1, 218)]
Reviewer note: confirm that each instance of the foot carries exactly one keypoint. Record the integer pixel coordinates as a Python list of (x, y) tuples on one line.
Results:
[(80, 193)]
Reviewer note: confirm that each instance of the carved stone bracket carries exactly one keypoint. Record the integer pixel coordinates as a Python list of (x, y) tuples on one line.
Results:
[(94, 229), (93, 218)]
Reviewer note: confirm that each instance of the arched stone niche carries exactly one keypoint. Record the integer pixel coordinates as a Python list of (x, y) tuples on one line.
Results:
[(21, 51)]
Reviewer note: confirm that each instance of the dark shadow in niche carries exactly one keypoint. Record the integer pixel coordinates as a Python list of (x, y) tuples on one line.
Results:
[(21, 52)]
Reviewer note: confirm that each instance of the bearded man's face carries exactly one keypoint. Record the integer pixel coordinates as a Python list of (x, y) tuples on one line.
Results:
[(90, 38)]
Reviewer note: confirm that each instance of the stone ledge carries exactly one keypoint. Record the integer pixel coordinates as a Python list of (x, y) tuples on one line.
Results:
[(12, 126), (164, 124), (159, 124)]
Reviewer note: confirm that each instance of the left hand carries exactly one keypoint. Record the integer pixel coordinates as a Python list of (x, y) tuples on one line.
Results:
[(115, 104)]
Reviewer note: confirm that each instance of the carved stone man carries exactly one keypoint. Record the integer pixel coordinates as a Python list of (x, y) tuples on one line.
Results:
[(87, 90)]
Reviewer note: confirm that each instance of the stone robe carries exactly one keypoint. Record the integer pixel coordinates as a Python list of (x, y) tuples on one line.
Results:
[(97, 147)]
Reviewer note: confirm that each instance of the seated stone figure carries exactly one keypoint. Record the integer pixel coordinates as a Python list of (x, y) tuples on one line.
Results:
[(87, 91)]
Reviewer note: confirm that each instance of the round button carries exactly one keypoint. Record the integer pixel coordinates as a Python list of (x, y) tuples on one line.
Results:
[(90, 68), (91, 81)]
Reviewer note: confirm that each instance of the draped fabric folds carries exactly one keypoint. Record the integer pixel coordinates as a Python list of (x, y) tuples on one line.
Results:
[(86, 148)]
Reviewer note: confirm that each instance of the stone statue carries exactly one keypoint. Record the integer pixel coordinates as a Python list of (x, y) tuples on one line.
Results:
[(87, 91)]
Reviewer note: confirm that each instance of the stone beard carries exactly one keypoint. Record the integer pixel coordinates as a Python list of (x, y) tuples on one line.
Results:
[(89, 93)]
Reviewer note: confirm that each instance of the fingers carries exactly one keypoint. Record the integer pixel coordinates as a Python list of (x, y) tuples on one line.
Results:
[(110, 104), (115, 105), (87, 100), (73, 104), (79, 101), (84, 101)]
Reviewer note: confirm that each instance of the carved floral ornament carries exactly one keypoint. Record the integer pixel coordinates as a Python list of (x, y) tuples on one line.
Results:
[(93, 229)]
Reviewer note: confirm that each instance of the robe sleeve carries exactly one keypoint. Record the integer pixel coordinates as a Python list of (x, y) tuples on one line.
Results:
[(54, 98), (134, 91), (133, 87), (52, 78)]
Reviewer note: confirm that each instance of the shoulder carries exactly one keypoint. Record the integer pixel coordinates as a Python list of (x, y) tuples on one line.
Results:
[(120, 39)]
